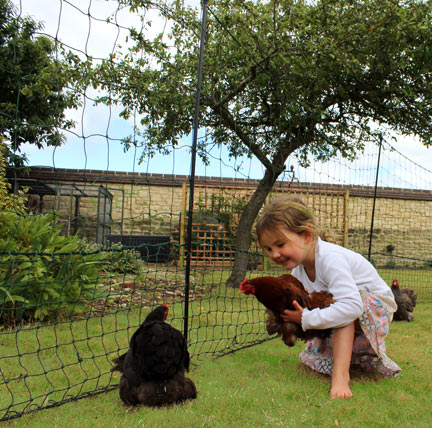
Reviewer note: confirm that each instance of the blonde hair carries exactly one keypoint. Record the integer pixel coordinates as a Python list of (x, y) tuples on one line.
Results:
[(290, 213)]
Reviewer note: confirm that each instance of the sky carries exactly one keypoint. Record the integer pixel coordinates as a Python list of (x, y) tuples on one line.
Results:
[(102, 128)]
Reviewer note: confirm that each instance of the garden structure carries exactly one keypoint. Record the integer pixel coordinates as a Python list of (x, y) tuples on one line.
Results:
[(275, 104)]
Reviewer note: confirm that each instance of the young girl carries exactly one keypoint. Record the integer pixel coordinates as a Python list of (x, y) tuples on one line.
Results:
[(289, 235)]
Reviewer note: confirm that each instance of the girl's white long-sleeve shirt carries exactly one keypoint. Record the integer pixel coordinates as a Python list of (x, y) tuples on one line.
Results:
[(343, 273)]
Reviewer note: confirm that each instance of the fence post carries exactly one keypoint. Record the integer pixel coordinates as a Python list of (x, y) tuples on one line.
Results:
[(346, 219), (182, 226), (374, 199), (192, 174)]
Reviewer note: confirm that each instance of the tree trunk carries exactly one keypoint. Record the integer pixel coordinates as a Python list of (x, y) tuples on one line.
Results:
[(244, 229)]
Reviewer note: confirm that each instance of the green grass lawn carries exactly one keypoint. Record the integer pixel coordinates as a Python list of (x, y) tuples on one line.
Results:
[(44, 364), (267, 386)]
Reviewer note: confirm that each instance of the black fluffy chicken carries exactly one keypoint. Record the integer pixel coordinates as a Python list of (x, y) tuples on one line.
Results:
[(406, 299), (153, 369), (277, 294)]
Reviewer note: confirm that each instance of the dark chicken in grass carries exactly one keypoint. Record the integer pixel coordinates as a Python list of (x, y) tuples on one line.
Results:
[(277, 294), (406, 299), (153, 369)]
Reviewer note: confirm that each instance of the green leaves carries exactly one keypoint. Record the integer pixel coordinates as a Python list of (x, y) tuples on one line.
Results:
[(8, 201), (43, 275), (279, 76), (33, 84)]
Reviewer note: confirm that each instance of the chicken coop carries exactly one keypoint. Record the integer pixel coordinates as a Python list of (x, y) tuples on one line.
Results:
[(83, 209)]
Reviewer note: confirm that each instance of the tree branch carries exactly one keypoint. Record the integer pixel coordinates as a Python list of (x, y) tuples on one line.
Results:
[(243, 83), (231, 124)]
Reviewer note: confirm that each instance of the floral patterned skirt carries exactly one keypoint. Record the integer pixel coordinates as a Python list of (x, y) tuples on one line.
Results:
[(369, 349)]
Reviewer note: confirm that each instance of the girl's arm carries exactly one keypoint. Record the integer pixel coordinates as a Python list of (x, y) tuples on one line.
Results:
[(335, 271)]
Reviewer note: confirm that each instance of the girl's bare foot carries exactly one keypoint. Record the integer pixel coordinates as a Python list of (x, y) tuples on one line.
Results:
[(340, 387)]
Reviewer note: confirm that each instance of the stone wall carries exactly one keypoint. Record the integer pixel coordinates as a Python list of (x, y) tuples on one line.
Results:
[(152, 204), (402, 224)]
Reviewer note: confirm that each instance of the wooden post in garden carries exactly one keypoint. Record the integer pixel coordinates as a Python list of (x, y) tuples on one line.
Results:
[(346, 219)]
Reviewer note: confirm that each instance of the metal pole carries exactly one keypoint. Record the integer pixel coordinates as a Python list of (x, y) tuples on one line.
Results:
[(374, 200), (192, 173)]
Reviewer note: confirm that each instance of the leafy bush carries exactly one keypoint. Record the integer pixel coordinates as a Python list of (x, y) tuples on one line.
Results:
[(116, 258), (8, 201), (42, 274), (390, 248), (124, 260), (391, 264)]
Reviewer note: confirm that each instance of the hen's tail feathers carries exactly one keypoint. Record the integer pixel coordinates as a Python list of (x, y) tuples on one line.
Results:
[(189, 390), (287, 330), (155, 393), (272, 324), (411, 294), (289, 333), (320, 299)]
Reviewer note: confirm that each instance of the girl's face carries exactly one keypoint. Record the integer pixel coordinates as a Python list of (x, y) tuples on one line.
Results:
[(287, 249)]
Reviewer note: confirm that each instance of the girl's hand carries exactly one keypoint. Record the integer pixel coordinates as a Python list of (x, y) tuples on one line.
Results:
[(293, 316)]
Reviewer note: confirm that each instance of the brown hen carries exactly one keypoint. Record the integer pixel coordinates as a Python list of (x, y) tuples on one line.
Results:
[(406, 300), (277, 294)]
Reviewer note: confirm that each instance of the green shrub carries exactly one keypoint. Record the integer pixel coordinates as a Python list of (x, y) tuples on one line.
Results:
[(116, 258), (42, 274), (390, 248), (391, 264), (124, 260), (8, 200)]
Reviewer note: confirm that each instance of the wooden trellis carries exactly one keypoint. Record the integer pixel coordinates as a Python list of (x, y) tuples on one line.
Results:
[(330, 208), (217, 211)]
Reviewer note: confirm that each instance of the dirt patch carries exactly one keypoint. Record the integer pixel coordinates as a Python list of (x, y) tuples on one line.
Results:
[(143, 293)]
